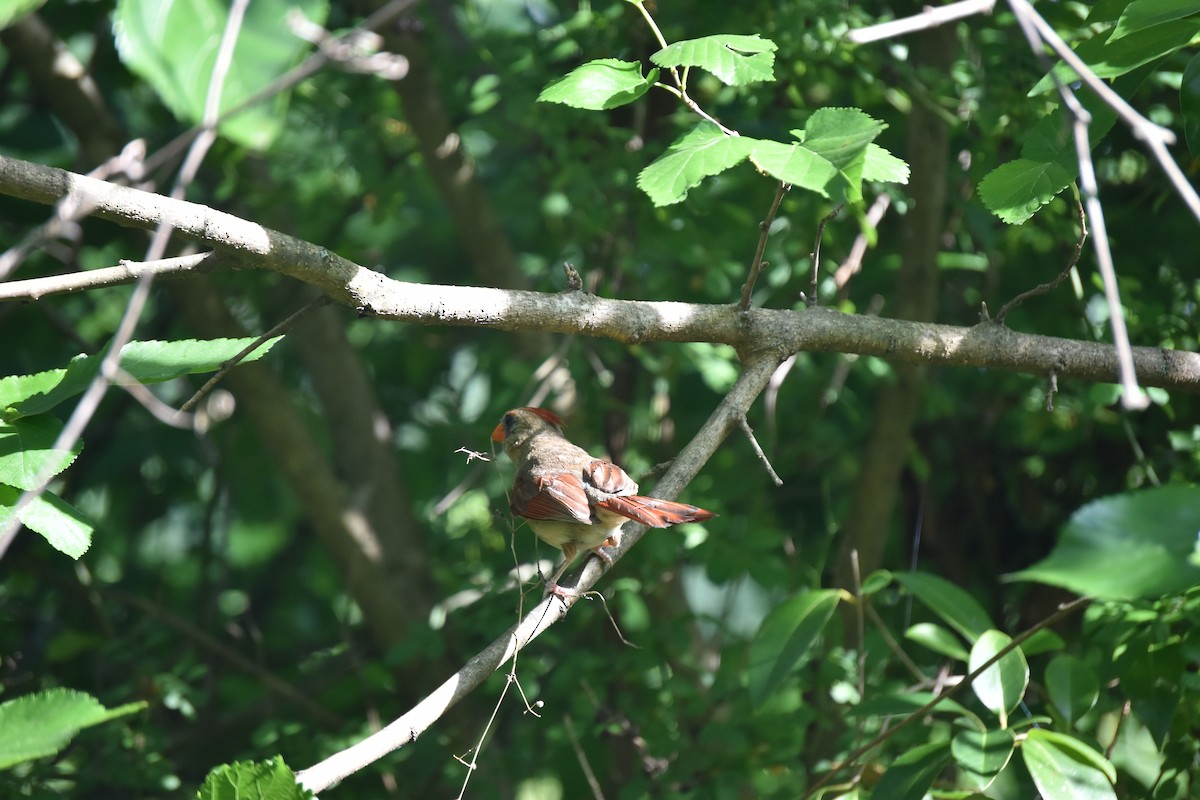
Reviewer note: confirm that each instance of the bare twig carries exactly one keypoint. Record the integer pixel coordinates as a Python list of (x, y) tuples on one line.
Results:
[(931, 17), (764, 233), (90, 401), (1051, 389), (853, 262), (308, 308), (1062, 276), (127, 272), (816, 253), (594, 784), (758, 451), (1037, 31), (574, 281)]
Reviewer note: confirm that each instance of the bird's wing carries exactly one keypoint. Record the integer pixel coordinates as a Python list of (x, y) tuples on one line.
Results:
[(608, 478), (559, 497)]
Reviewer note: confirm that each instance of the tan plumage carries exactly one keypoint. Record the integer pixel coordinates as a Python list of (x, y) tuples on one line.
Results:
[(571, 499)]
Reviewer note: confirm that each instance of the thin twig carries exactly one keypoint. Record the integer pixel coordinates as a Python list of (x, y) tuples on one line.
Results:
[(1037, 31), (764, 232), (758, 451), (597, 793), (127, 272), (308, 308), (1062, 276), (929, 18), (73, 430), (858, 250), (816, 253), (1063, 611)]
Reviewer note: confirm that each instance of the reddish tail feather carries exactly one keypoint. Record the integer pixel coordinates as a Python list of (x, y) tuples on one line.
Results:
[(654, 512)]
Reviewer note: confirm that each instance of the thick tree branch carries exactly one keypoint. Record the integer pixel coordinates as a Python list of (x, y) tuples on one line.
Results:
[(986, 345)]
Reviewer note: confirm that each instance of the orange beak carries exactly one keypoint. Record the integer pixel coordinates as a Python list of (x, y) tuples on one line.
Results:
[(498, 433)]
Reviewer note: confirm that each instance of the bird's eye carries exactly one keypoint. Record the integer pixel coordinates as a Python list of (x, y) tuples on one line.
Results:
[(509, 419)]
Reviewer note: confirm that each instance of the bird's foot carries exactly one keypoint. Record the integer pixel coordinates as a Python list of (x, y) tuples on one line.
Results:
[(561, 591)]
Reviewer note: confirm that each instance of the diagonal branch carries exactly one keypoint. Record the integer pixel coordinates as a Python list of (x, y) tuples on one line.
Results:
[(553, 608)]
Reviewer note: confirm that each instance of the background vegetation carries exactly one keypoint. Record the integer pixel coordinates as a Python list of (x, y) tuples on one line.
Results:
[(318, 553)]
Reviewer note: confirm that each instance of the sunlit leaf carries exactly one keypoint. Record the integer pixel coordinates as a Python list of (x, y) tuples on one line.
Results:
[(1134, 545)]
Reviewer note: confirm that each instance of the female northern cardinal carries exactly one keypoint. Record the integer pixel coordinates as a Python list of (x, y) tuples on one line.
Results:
[(571, 499)]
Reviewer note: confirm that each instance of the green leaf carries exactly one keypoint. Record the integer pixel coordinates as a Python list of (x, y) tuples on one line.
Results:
[(253, 780), (799, 166), (13, 11), (1110, 58), (27, 451), (1073, 686), (937, 639), (910, 776), (1189, 104), (881, 165), (148, 362), (841, 135), (1001, 686), (699, 153), (599, 85), (1142, 14), (1064, 768), (41, 724), (65, 527), (173, 46), (1016, 191), (949, 602), (983, 752), (883, 705), (1134, 545), (785, 637), (735, 60)]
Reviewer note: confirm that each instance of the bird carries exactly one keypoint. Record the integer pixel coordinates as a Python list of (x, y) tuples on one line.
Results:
[(571, 499)]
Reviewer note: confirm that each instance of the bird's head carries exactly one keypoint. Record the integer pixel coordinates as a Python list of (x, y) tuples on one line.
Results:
[(519, 425)]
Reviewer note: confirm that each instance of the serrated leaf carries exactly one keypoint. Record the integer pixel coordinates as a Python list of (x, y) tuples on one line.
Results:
[(949, 602), (784, 639), (27, 451), (253, 780), (65, 527), (148, 362), (1135, 545), (701, 152), (1016, 191), (910, 776), (734, 60), (41, 724), (1063, 768), (799, 166), (1072, 685), (600, 85), (1001, 686), (881, 165), (841, 135), (173, 46), (1142, 14)]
